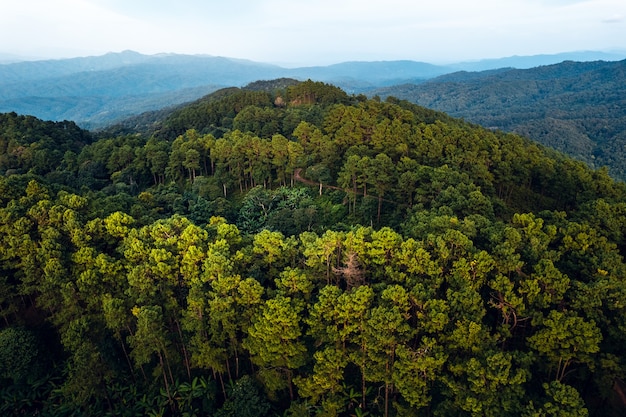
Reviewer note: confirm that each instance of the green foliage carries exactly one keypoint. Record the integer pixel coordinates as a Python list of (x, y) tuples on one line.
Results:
[(572, 107), (335, 256), (562, 401), (244, 400), (565, 338), (28, 144), (19, 350), (213, 114)]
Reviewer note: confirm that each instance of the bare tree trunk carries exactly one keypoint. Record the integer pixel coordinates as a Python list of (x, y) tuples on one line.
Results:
[(290, 384), (185, 355), (167, 385), (222, 384), (130, 365)]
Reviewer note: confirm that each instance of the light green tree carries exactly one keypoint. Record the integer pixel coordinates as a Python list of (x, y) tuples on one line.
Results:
[(274, 338)]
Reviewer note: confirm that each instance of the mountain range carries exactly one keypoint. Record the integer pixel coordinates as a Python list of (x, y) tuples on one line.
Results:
[(97, 91), (573, 102)]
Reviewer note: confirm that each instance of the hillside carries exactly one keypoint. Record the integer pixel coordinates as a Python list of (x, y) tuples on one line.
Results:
[(575, 107), (290, 249)]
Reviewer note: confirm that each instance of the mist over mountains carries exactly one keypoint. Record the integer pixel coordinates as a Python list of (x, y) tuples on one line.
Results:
[(96, 91)]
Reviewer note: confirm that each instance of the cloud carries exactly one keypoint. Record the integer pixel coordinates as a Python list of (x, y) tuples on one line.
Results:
[(617, 18), (314, 31)]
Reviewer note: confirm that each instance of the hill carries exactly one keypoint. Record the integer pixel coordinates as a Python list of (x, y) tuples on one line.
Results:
[(575, 107), (291, 249)]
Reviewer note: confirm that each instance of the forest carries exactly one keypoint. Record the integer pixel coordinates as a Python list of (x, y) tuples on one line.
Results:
[(574, 107), (287, 249)]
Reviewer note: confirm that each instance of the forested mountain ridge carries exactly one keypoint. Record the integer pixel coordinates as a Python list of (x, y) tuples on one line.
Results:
[(576, 107), (203, 114), (290, 249), (28, 144)]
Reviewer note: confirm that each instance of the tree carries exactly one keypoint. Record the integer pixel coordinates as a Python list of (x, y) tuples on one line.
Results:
[(156, 153), (274, 249), (280, 158), (326, 383), (273, 337), (564, 339), (415, 370), (231, 304), (562, 401), (150, 339), (349, 177), (386, 329), (382, 177), (192, 163), (323, 253)]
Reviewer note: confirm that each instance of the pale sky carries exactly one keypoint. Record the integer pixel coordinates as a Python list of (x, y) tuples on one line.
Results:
[(311, 32)]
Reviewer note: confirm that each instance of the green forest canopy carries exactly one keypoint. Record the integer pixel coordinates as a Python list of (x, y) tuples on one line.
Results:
[(575, 107), (293, 250)]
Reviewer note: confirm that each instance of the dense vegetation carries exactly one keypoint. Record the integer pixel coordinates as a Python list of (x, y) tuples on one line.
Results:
[(574, 107), (292, 250)]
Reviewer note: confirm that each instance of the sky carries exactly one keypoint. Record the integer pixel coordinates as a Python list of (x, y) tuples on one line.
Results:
[(313, 32)]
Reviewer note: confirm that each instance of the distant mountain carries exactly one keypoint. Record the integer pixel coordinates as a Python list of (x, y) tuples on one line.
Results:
[(525, 62), (361, 76), (576, 107), (96, 91), (96, 111), (13, 58), (101, 90), (43, 69)]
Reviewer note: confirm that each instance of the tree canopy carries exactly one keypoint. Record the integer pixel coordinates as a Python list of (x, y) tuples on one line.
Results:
[(293, 250)]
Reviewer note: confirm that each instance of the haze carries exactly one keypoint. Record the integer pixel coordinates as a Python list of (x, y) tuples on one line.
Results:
[(299, 32)]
